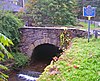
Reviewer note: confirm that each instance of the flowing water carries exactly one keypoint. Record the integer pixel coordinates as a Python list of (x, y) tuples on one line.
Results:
[(37, 66)]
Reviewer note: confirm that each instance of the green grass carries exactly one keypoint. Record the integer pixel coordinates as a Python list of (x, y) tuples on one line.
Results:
[(80, 63), (85, 25)]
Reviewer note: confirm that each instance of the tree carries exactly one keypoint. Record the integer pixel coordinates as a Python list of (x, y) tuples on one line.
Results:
[(56, 12), (4, 55), (9, 25)]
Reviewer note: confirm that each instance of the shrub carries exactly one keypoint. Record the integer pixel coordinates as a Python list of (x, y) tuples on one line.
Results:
[(20, 59), (4, 41), (56, 12), (9, 25)]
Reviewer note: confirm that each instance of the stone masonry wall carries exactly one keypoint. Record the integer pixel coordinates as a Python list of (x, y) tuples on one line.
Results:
[(30, 37)]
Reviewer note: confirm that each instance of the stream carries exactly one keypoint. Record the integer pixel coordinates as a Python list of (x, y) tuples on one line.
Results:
[(41, 57), (37, 66)]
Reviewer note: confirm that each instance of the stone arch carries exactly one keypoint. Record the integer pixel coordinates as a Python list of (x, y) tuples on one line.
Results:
[(39, 42), (46, 40), (45, 51)]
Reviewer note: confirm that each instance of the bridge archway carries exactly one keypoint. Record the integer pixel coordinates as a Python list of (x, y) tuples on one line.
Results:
[(45, 51), (42, 41)]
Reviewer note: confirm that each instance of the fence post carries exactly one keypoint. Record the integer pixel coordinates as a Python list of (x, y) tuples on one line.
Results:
[(96, 34)]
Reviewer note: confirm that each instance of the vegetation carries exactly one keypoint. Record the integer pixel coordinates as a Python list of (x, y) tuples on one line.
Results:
[(65, 38), (20, 60), (85, 25), (80, 63), (4, 55), (52, 12), (9, 25)]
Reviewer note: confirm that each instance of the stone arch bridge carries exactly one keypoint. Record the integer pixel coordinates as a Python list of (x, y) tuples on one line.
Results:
[(31, 37)]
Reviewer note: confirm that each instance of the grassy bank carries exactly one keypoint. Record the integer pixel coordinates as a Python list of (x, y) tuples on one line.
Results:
[(80, 63), (85, 25)]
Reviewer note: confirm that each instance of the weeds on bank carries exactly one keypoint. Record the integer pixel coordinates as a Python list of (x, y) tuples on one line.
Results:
[(80, 63)]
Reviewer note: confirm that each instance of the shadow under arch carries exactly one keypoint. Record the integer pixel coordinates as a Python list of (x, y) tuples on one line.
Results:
[(45, 51)]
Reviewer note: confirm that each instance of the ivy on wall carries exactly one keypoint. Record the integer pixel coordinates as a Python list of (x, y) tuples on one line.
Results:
[(65, 38)]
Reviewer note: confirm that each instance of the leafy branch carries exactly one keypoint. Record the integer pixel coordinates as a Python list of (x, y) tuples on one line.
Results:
[(4, 54)]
